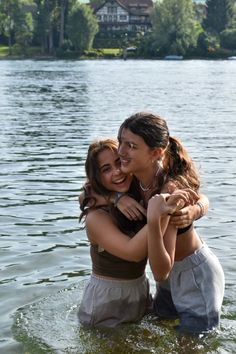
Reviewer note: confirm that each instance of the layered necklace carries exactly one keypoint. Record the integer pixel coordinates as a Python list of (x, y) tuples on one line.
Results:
[(150, 186)]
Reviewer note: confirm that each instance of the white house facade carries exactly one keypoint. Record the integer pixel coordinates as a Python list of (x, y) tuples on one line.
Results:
[(127, 15)]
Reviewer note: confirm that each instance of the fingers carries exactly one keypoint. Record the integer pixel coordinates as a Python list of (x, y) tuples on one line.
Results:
[(134, 211), (181, 218), (141, 210), (189, 195), (133, 214)]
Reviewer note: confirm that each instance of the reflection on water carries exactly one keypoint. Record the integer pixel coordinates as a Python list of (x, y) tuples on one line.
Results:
[(50, 111)]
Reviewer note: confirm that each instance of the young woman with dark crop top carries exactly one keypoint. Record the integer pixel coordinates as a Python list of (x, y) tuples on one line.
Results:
[(190, 279)]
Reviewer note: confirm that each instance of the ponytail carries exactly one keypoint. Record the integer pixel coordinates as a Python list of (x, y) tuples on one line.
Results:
[(179, 167)]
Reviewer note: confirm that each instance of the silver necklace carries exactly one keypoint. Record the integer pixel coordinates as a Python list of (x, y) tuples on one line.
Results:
[(148, 188), (145, 189)]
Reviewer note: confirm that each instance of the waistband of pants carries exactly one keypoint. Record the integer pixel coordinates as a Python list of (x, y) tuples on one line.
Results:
[(120, 282), (199, 256)]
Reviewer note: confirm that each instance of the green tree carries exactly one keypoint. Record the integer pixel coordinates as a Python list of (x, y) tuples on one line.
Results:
[(24, 30), (16, 22), (82, 27), (63, 4), (46, 20), (64, 7), (8, 11), (219, 15), (232, 15), (175, 28), (228, 39)]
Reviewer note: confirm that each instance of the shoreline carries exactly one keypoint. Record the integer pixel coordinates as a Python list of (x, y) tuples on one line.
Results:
[(54, 58)]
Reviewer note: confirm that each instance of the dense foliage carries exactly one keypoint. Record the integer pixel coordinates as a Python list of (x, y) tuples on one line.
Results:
[(63, 27), (175, 28), (45, 24)]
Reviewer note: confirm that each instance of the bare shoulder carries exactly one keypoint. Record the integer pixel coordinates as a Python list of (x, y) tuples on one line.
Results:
[(98, 218), (94, 214)]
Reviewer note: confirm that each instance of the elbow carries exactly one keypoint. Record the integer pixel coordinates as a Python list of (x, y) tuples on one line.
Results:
[(161, 273), (160, 277)]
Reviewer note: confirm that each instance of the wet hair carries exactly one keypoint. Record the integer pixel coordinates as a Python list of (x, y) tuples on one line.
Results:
[(178, 167)]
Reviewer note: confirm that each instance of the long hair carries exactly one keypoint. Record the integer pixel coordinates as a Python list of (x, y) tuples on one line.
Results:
[(94, 184), (93, 176), (92, 165), (177, 164)]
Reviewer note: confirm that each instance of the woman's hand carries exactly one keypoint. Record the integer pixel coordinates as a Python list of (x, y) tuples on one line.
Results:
[(169, 204), (184, 217), (131, 208)]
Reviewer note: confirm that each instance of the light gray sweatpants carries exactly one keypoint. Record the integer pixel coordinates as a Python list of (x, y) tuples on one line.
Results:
[(109, 303), (193, 292)]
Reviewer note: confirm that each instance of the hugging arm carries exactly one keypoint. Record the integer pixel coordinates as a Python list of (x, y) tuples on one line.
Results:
[(127, 205), (161, 234), (102, 230)]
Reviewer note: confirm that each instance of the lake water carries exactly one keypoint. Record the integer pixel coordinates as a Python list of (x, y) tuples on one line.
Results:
[(50, 111)]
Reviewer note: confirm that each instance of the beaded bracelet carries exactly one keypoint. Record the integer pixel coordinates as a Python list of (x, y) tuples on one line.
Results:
[(117, 198), (202, 209)]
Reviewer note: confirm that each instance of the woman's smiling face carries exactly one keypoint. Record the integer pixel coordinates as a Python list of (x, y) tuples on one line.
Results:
[(111, 176), (135, 154)]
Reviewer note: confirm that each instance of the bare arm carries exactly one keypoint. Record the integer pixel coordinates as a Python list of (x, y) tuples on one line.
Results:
[(102, 231), (161, 234)]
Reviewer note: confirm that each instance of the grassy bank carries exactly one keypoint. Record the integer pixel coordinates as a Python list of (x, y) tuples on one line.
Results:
[(4, 51), (35, 53)]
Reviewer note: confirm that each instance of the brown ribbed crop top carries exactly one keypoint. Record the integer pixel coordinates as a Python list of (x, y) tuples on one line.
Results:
[(104, 263)]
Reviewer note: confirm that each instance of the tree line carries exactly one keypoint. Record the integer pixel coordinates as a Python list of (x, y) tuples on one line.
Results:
[(179, 27)]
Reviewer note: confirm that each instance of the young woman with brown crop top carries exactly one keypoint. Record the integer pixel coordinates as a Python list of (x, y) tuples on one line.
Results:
[(118, 290)]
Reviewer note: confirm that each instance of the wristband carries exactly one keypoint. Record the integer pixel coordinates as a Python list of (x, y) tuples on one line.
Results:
[(117, 198)]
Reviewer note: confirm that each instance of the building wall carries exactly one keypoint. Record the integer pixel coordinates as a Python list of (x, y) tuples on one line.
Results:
[(112, 13), (112, 16)]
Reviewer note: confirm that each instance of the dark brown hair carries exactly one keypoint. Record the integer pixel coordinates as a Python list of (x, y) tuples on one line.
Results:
[(177, 164)]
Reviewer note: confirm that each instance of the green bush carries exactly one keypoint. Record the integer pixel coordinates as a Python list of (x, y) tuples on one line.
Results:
[(228, 39)]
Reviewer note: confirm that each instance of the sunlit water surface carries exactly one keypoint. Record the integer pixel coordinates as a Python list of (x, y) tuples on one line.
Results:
[(50, 111)]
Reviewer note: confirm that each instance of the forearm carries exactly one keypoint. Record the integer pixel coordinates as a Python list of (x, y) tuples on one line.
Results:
[(137, 246), (159, 259)]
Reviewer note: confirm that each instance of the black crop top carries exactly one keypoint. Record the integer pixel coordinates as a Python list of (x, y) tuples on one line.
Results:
[(184, 229)]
